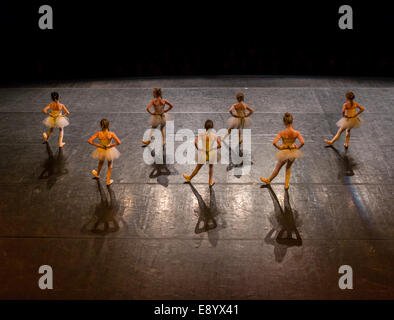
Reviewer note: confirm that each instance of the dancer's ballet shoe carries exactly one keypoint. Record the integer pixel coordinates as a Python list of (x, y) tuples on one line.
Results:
[(240, 140), (212, 184), (110, 182), (287, 187), (265, 180), (45, 136), (187, 178), (146, 142), (346, 146), (62, 144), (94, 172), (328, 142)]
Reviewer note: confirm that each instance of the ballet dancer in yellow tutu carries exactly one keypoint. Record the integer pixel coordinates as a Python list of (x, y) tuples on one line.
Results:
[(56, 118), (207, 145), (105, 150), (350, 119), (288, 151)]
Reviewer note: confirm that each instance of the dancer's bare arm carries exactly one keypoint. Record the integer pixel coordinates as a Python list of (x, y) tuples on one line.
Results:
[(65, 110), (219, 143), (300, 139), (148, 108), (45, 110), (250, 111), (117, 141), (344, 111), (361, 109), (170, 106), (231, 111), (90, 141), (196, 142), (275, 142)]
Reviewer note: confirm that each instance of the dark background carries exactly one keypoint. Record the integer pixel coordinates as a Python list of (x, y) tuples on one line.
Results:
[(151, 38)]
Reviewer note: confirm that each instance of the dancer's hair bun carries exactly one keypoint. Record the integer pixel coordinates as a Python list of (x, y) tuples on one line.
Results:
[(288, 118), (208, 124), (104, 124), (55, 96), (350, 95), (157, 92)]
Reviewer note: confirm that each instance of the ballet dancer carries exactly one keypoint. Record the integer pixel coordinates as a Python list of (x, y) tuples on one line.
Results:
[(350, 119), (208, 153), (240, 119), (105, 150), (159, 116), (56, 118), (289, 151)]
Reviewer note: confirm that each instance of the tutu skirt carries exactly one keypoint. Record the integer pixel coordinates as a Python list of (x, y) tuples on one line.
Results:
[(238, 123), (350, 123), (106, 154), (286, 154), (211, 157), (158, 120), (56, 122)]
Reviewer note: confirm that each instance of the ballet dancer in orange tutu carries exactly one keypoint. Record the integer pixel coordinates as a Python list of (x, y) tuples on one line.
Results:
[(105, 150), (288, 151), (350, 119)]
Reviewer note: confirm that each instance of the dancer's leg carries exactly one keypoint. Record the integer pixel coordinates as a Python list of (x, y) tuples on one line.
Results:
[(47, 135), (97, 173), (109, 171), (61, 132), (347, 138), (228, 132), (195, 171), (241, 128), (211, 182), (147, 142), (279, 165), (340, 130), (288, 166), (163, 133)]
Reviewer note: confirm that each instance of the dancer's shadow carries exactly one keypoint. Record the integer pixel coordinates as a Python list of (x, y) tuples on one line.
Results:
[(54, 166), (162, 171), (346, 163), (233, 153), (207, 216), (108, 214), (285, 222)]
